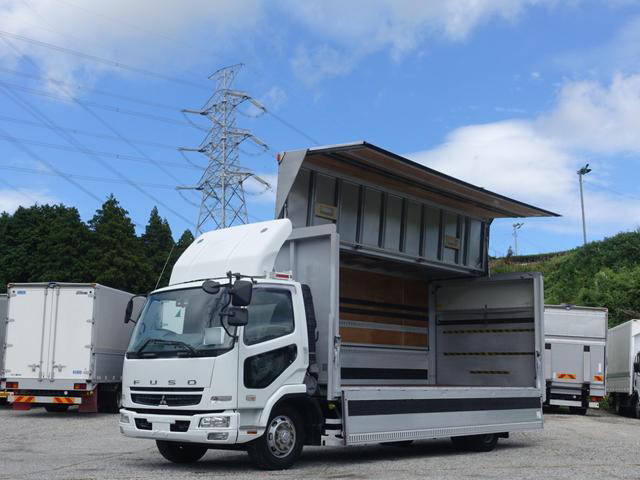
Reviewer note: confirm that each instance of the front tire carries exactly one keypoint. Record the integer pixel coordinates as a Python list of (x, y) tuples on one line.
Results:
[(476, 443), (56, 408), (281, 444), (177, 452)]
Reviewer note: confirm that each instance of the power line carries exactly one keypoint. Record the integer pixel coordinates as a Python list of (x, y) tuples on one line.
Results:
[(80, 177), (16, 189), (93, 90), (104, 61), (86, 133), (102, 106), (70, 139), (51, 167), (292, 127), (118, 156)]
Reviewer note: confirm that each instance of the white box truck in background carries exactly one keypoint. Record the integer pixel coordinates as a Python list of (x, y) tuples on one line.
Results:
[(65, 344), (3, 329), (623, 367), (575, 363), (368, 317)]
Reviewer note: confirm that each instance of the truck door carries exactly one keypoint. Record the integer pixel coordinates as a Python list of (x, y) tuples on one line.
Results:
[(28, 331), (270, 352), (488, 331), (71, 329)]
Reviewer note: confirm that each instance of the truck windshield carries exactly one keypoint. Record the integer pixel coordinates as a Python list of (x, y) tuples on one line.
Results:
[(182, 322)]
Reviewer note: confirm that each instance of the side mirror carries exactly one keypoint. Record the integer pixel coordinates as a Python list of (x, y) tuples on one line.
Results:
[(237, 316), (211, 287), (241, 293), (127, 312)]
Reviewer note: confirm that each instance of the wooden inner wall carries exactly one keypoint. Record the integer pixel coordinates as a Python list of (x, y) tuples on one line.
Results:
[(390, 311)]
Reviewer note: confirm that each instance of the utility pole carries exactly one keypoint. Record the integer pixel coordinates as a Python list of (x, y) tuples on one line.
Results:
[(516, 227), (581, 173), (223, 202)]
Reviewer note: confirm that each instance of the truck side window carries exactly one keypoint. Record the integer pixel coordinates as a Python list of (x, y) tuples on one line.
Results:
[(270, 315)]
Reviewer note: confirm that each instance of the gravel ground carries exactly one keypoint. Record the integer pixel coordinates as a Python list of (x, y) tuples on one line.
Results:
[(38, 445)]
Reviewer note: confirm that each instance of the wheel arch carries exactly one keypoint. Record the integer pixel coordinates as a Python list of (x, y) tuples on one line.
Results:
[(310, 411)]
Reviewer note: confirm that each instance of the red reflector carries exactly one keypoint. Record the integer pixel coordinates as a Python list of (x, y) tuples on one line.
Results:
[(596, 399), (282, 276), (12, 384), (79, 386)]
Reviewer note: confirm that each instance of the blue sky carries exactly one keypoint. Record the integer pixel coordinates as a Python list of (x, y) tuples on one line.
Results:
[(512, 95)]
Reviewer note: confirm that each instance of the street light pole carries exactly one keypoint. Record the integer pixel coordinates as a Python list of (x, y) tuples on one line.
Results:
[(516, 227), (582, 172)]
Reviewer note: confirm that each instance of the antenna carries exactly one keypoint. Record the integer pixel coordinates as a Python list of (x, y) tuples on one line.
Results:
[(223, 201)]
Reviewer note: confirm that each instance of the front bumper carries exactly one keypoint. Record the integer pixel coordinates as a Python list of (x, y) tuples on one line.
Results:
[(161, 427)]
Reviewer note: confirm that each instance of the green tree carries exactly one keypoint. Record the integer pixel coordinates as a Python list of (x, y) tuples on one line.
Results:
[(43, 243), (116, 254), (158, 246)]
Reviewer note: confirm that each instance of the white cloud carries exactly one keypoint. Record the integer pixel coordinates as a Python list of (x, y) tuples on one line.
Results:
[(597, 117), (536, 160), (10, 199), (257, 192), (144, 33), (361, 27)]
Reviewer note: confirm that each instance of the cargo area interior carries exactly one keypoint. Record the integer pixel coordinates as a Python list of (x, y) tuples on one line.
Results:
[(482, 337)]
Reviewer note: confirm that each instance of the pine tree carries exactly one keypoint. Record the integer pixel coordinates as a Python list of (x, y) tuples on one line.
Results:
[(116, 255), (159, 249)]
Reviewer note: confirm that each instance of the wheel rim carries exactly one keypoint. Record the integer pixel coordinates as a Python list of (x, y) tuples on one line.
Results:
[(281, 436)]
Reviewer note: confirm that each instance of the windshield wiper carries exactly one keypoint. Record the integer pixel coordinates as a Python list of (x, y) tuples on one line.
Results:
[(160, 341)]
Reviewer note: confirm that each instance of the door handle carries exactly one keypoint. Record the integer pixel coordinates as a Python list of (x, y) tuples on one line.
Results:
[(59, 366)]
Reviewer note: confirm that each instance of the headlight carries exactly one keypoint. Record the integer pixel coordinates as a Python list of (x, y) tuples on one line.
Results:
[(214, 422), (124, 418)]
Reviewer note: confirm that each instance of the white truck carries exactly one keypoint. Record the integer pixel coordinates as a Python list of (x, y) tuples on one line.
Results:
[(623, 368), (3, 329), (364, 314), (574, 356), (65, 345)]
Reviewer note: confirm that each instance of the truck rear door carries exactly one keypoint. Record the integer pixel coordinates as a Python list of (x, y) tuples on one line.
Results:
[(72, 322), (27, 331), (488, 331)]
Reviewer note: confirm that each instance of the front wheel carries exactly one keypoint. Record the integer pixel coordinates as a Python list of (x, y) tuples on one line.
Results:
[(476, 443), (281, 444), (177, 452)]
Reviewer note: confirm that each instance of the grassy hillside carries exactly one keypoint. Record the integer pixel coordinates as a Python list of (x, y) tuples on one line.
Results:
[(600, 274)]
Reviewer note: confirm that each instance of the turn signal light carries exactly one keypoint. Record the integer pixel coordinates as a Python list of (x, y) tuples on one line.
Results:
[(12, 384), (79, 386)]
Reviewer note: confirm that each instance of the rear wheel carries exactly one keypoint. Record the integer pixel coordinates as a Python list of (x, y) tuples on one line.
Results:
[(636, 406), (476, 443), (281, 444), (56, 408), (177, 452)]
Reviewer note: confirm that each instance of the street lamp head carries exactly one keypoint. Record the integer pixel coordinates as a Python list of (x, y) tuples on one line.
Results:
[(584, 170)]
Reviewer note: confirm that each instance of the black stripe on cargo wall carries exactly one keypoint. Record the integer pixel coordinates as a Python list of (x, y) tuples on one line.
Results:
[(380, 313), (485, 321), (439, 405), (383, 374)]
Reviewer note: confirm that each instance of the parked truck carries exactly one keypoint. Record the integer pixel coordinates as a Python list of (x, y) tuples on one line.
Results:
[(3, 325), (364, 314), (623, 368), (575, 364), (65, 345)]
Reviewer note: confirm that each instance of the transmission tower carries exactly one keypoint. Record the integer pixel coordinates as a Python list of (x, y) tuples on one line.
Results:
[(223, 202)]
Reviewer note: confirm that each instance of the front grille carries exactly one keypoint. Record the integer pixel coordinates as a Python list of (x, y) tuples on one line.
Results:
[(179, 426), (142, 424), (169, 399)]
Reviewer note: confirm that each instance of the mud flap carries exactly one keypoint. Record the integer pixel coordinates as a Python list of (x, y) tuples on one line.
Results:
[(21, 406), (89, 402)]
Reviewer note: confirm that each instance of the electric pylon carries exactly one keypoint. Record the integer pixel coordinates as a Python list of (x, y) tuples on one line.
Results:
[(223, 202)]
